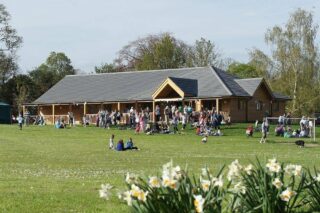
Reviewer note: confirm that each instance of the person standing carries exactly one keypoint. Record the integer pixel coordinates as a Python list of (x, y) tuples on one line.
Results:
[(20, 121), (264, 130)]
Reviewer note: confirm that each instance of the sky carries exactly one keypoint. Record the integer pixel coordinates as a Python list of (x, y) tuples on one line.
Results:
[(92, 32)]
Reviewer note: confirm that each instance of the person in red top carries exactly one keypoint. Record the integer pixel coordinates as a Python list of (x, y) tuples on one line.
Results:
[(249, 131)]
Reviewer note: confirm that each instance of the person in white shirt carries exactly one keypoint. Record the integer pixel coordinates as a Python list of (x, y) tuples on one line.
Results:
[(20, 121), (111, 142)]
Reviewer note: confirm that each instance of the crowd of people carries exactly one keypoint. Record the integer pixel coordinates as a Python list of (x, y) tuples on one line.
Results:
[(284, 128)]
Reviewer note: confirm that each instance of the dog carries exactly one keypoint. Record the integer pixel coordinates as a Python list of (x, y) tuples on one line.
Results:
[(300, 143)]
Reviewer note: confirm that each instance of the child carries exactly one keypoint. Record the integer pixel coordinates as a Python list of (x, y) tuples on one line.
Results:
[(249, 131), (205, 139), (264, 130), (129, 145), (111, 143), (120, 146)]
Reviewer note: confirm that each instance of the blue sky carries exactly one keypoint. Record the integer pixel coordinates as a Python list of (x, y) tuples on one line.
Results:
[(92, 32)]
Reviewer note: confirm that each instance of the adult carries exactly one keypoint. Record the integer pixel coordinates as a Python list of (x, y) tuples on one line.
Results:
[(20, 121), (157, 113)]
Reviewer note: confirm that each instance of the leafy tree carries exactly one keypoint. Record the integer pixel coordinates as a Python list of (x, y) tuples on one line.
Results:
[(243, 70), (205, 53), (53, 70), (160, 51), (18, 90), (9, 43), (105, 68), (296, 60)]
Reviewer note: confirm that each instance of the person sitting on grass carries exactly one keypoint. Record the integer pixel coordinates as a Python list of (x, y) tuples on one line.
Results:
[(249, 131), (205, 139), (288, 133), (120, 145), (129, 145), (279, 130)]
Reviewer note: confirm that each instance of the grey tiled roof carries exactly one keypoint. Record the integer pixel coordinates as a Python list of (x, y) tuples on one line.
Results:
[(188, 86), (281, 96), (250, 85), (140, 85)]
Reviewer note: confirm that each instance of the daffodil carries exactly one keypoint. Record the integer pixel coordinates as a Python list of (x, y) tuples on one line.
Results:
[(248, 169), (154, 182), (127, 197), (273, 166), (277, 183), (130, 178), (104, 191), (143, 196), (292, 169), (198, 203), (234, 170), (218, 182), (135, 191), (239, 188), (287, 194), (205, 184)]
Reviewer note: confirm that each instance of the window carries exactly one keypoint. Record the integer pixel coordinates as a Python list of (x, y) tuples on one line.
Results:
[(241, 104), (259, 105)]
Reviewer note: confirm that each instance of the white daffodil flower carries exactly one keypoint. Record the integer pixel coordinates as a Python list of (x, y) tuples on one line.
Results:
[(198, 203), (104, 192), (154, 182), (287, 194), (277, 183)]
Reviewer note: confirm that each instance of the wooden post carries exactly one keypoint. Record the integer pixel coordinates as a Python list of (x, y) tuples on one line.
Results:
[(153, 111), (84, 108), (53, 114), (23, 110), (119, 106), (198, 105), (217, 105)]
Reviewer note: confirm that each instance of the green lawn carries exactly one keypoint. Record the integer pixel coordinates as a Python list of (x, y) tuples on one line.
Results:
[(43, 169)]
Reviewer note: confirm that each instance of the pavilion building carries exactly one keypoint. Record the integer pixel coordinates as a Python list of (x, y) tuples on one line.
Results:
[(244, 100)]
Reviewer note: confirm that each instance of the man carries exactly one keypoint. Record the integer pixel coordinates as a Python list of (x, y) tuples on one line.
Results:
[(20, 121)]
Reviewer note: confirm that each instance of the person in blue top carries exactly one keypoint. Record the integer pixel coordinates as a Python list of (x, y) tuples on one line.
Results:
[(129, 145), (120, 145)]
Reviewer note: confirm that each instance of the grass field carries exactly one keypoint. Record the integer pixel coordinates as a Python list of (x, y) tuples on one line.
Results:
[(43, 169)]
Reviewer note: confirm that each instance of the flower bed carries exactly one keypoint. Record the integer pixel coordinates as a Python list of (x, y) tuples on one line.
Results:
[(257, 187)]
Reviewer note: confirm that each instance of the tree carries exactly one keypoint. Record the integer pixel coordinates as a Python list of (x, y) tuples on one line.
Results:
[(57, 66), (160, 51), (9, 43), (18, 90), (296, 60), (205, 53), (243, 70), (262, 63), (105, 68)]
